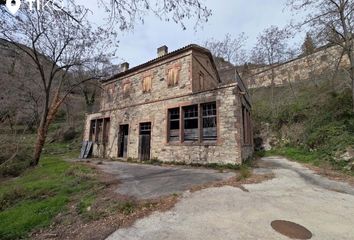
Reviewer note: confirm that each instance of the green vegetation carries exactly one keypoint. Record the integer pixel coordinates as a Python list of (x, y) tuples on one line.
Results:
[(244, 172), (298, 154), (32, 200), (310, 121), (156, 161)]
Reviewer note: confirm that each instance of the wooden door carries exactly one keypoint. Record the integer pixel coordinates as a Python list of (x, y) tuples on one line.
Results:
[(123, 141), (106, 128), (144, 141)]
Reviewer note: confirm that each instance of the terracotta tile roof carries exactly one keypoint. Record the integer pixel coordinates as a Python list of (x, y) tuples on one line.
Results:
[(171, 54)]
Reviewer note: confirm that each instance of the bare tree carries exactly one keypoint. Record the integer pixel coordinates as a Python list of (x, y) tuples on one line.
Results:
[(332, 21), (271, 49), (230, 49), (56, 42), (59, 40), (125, 13)]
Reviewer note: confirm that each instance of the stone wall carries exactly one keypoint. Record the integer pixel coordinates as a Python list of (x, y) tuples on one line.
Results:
[(323, 61), (115, 96), (227, 149)]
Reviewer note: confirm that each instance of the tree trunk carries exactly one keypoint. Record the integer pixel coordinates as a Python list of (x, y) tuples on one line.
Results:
[(47, 119), (272, 93), (351, 59), (352, 77), (40, 141)]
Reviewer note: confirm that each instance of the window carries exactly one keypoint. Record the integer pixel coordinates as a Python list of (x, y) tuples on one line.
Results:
[(99, 132), (209, 122), (199, 123), (174, 124), (191, 125), (126, 89), (246, 124), (201, 81), (93, 130), (98, 136), (173, 76), (147, 84), (110, 92), (145, 128)]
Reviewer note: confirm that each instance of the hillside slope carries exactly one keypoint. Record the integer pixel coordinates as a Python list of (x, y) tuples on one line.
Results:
[(309, 121)]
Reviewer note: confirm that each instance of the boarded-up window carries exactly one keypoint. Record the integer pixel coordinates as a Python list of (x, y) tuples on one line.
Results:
[(99, 126), (126, 89), (209, 121), (93, 130), (147, 84), (173, 76), (201, 81), (191, 123), (247, 127), (110, 92), (106, 128), (174, 120)]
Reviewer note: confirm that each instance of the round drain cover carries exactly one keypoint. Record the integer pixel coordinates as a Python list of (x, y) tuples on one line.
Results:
[(291, 230)]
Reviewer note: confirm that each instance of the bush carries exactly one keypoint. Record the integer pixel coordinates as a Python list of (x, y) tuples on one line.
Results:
[(244, 172), (69, 134), (17, 165), (12, 197)]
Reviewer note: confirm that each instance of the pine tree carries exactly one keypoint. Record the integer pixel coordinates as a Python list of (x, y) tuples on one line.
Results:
[(308, 47)]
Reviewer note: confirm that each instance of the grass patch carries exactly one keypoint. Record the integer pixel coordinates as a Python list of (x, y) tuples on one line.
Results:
[(32, 200), (298, 154), (315, 158), (245, 173), (216, 166)]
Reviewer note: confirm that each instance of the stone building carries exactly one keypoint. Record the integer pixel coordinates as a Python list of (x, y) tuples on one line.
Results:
[(175, 108)]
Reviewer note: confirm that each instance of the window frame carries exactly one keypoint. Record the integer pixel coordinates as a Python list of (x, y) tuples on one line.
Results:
[(209, 116), (195, 117), (200, 139), (100, 135), (174, 120)]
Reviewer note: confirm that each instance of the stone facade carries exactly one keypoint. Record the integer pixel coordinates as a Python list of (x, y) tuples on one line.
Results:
[(324, 60), (125, 104)]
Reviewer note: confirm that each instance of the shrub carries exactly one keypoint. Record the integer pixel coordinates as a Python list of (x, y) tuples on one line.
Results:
[(12, 196), (127, 207), (17, 165), (244, 172)]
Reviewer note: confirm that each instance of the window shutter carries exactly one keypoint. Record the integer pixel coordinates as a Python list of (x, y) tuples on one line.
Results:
[(176, 79), (173, 76), (147, 84)]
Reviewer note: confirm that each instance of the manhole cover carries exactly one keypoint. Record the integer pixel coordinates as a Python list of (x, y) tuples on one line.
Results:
[(291, 230)]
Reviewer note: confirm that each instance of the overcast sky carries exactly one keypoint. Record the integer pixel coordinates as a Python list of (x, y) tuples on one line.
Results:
[(229, 16)]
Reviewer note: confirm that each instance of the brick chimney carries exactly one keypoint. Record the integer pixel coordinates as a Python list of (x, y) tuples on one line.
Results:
[(161, 51), (124, 66)]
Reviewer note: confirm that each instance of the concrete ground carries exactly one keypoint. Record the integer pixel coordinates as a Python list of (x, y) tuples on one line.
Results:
[(148, 181), (296, 194)]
